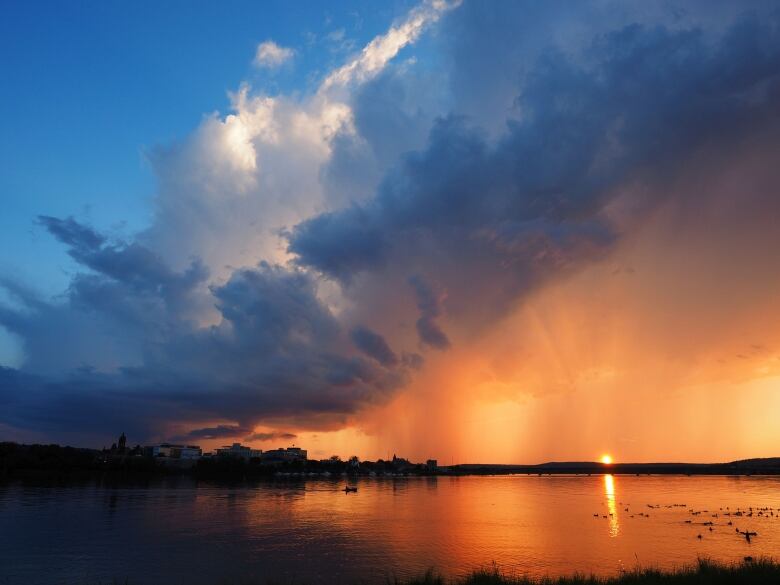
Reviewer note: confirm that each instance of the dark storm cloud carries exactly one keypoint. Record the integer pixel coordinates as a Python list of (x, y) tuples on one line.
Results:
[(373, 345), (131, 264), (341, 243), (412, 360), (79, 237), (277, 351), (233, 431), (476, 214), (430, 305), (271, 436), (81, 404), (216, 432)]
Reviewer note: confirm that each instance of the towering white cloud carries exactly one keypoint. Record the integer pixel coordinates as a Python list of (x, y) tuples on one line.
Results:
[(227, 190)]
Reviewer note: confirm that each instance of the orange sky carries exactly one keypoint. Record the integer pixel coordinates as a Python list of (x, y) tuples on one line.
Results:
[(669, 349)]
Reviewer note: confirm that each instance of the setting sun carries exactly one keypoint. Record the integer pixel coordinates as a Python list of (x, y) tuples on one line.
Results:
[(606, 459)]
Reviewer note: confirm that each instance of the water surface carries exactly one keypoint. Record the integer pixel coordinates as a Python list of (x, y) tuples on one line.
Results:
[(179, 531)]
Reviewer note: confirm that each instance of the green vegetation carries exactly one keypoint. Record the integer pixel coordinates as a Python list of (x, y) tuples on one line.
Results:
[(762, 571)]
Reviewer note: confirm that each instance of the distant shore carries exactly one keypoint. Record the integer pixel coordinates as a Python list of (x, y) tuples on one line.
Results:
[(705, 572), (765, 466), (55, 461)]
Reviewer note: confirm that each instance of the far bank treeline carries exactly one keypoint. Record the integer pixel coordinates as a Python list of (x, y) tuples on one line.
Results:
[(55, 461)]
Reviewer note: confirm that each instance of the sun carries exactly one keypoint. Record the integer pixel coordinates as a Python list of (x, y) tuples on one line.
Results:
[(606, 459)]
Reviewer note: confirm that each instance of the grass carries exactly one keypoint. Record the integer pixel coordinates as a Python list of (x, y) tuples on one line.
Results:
[(762, 571), (705, 572)]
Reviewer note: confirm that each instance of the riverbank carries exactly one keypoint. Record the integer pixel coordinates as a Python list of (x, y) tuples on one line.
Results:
[(705, 572), (764, 466), (19, 461)]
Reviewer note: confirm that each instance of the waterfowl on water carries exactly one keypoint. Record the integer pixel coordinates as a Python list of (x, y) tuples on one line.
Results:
[(747, 534)]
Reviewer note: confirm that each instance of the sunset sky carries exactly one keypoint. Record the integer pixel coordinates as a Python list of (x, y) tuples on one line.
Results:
[(490, 232)]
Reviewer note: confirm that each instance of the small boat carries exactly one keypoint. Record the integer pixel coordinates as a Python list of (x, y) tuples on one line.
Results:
[(348, 489)]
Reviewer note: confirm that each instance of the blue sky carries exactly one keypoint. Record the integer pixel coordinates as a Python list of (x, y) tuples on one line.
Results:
[(90, 85)]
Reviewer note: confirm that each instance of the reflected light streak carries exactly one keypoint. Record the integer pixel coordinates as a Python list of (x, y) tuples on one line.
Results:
[(609, 489)]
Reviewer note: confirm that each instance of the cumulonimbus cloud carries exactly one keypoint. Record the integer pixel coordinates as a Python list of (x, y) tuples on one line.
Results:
[(257, 299)]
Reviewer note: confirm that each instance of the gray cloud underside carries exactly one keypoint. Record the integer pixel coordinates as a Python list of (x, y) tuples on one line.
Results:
[(276, 352)]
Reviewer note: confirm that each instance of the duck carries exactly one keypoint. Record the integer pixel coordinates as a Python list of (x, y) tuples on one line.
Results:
[(747, 534)]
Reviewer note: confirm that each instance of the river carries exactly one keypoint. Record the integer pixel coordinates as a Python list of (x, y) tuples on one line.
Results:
[(177, 530)]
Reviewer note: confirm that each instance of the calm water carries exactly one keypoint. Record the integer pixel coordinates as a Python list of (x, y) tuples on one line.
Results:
[(181, 532)]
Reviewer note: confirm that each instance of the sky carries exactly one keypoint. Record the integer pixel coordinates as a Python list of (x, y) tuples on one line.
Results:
[(477, 232)]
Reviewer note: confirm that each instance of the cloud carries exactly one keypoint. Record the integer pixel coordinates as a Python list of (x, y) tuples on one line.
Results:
[(375, 56), (493, 219), (269, 55), (233, 431), (217, 432), (374, 345), (272, 436), (430, 305), (341, 243), (277, 351), (336, 35), (131, 264)]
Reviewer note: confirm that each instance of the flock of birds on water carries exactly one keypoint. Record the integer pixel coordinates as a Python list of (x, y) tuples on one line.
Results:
[(766, 512)]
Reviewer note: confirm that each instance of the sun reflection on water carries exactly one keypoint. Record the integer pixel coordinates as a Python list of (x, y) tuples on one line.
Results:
[(609, 489)]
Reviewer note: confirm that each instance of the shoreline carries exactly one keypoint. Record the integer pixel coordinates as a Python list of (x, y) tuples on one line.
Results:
[(704, 572), (769, 466), (55, 461), (125, 476)]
